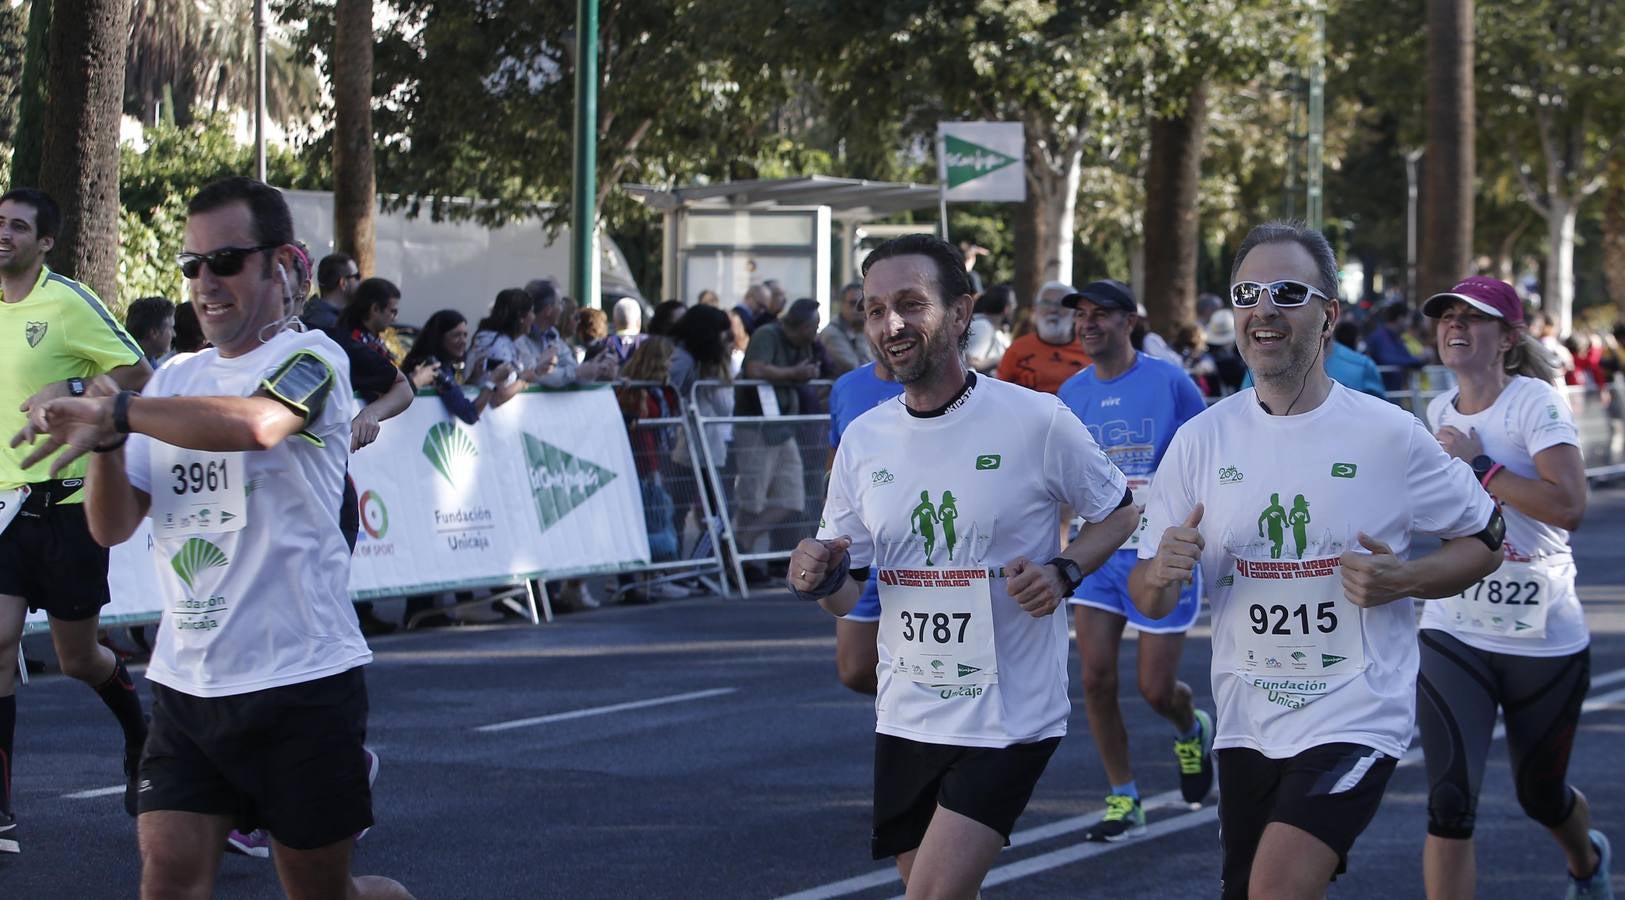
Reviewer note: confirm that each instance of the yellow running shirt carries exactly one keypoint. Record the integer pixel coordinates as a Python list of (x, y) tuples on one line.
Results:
[(60, 330)]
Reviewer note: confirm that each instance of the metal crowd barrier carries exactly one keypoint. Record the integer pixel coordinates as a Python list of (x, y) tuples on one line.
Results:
[(684, 533), (766, 472)]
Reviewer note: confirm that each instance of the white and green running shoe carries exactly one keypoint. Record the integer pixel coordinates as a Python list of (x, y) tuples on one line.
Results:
[(1598, 886), (1196, 761), (1124, 818)]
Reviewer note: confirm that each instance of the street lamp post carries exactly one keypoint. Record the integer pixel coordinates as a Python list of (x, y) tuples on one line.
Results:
[(1412, 157), (259, 89), (584, 193)]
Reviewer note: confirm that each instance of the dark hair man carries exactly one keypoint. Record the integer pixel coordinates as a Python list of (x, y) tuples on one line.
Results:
[(248, 576), (151, 321), (953, 494), (843, 337), (337, 277), (56, 337)]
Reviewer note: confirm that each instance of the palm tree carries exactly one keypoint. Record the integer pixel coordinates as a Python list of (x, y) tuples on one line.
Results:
[(1449, 167), (183, 53), (354, 187), (79, 156)]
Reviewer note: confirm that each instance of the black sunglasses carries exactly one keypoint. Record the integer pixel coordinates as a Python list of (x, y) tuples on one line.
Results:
[(224, 263), (1283, 294)]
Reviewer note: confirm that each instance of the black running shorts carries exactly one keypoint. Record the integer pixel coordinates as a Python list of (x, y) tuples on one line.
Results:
[(912, 779), (286, 759), (1330, 791), (48, 558)]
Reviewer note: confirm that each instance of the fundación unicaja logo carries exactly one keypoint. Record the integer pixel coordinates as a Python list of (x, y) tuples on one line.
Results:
[(560, 481), (196, 555), (447, 447)]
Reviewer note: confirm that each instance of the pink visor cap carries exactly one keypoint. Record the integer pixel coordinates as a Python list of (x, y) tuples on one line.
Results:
[(1489, 296)]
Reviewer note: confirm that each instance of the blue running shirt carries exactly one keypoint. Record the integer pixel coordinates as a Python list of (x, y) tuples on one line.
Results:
[(1134, 416), (854, 394)]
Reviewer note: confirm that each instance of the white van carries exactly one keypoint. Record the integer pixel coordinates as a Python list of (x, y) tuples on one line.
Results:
[(459, 265)]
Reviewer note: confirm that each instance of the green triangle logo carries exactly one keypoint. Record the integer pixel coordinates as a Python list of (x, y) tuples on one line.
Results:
[(968, 161), (559, 481)]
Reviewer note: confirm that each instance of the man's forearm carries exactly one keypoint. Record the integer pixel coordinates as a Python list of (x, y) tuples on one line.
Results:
[(841, 602), (1451, 569), (113, 507), (1099, 540), (219, 424), (1152, 599), (132, 377), (393, 402)]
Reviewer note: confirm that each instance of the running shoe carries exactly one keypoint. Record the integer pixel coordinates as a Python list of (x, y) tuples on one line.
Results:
[(256, 843), (1598, 887), (8, 834), (1125, 818), (1196, 760)]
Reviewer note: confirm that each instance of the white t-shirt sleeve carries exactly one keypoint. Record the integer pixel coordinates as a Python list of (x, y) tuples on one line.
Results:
[(1170, 499), (1544, 419), (841, 514), (1077, 471), (1444, 497), (137, 462)]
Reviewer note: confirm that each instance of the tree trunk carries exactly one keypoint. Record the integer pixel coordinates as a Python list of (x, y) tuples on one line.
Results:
[(1447, 195), (1173, 175), (79, 153), (1557, 293), (25, 160), (1060, 211), (354, 188), (1028, 231)]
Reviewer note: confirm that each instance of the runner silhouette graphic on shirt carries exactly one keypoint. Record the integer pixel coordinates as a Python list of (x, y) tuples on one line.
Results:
[(1275, 516), (946, 514), (1298, 518), (923, 523)]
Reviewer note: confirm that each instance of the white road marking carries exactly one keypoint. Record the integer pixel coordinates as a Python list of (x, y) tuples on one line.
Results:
[(1067, 855), (605, 710), (97, 792)]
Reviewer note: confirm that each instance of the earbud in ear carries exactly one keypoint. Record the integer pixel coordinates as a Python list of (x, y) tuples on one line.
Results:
[(282, 273), (1326, 326)]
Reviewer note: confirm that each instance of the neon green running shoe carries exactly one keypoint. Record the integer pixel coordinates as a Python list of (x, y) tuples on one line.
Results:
[(1124, 818), (1196, 761)]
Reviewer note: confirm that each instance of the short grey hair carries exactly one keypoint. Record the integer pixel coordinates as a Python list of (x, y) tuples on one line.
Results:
[(1060, 286), (1293, 231), (544, 291)]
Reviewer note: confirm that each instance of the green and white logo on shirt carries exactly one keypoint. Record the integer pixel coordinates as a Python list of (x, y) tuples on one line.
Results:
[(35, 332), (1275, 520), (196, 555), (446, 446), (988, 461), (1344, 470), (925, 519)]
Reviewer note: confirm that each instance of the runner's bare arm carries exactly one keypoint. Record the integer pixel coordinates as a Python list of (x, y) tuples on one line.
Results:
[(114, 508), (1155, 583), (1099, 540), (132, 377), (1556, 496), (364, 428), (1372, 579)]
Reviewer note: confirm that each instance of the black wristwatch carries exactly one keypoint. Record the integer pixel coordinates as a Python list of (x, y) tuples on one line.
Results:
[(1070, 573), (1482, 465), (76, 386)]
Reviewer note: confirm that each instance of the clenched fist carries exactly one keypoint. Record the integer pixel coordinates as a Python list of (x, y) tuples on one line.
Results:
[(813, 560), (1179, 552)]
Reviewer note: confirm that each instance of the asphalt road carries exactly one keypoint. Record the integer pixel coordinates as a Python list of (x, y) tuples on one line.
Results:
[(704, 749)]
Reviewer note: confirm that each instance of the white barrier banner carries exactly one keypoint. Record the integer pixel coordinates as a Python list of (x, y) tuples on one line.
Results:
[(542, 486)]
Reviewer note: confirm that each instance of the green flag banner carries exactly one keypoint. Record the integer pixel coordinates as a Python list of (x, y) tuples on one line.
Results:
[(982, 161)]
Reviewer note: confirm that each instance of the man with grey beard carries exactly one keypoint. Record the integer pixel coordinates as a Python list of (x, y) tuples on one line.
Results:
[(1050, 354), (946, 492)]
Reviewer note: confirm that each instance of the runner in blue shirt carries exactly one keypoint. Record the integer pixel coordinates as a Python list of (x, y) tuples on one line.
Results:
[(854, 394), (1132, 404)]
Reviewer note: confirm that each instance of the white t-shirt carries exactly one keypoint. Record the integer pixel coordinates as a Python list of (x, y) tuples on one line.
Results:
[(267, 605), (1528, 417), (1288, 494), (1008, 457)]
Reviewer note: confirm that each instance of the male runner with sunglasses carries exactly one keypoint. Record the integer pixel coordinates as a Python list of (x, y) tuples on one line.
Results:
[(1300, 499), (55, 337), (237, 455)]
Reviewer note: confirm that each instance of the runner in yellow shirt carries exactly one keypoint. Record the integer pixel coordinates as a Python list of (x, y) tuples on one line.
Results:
[(55, 337)]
